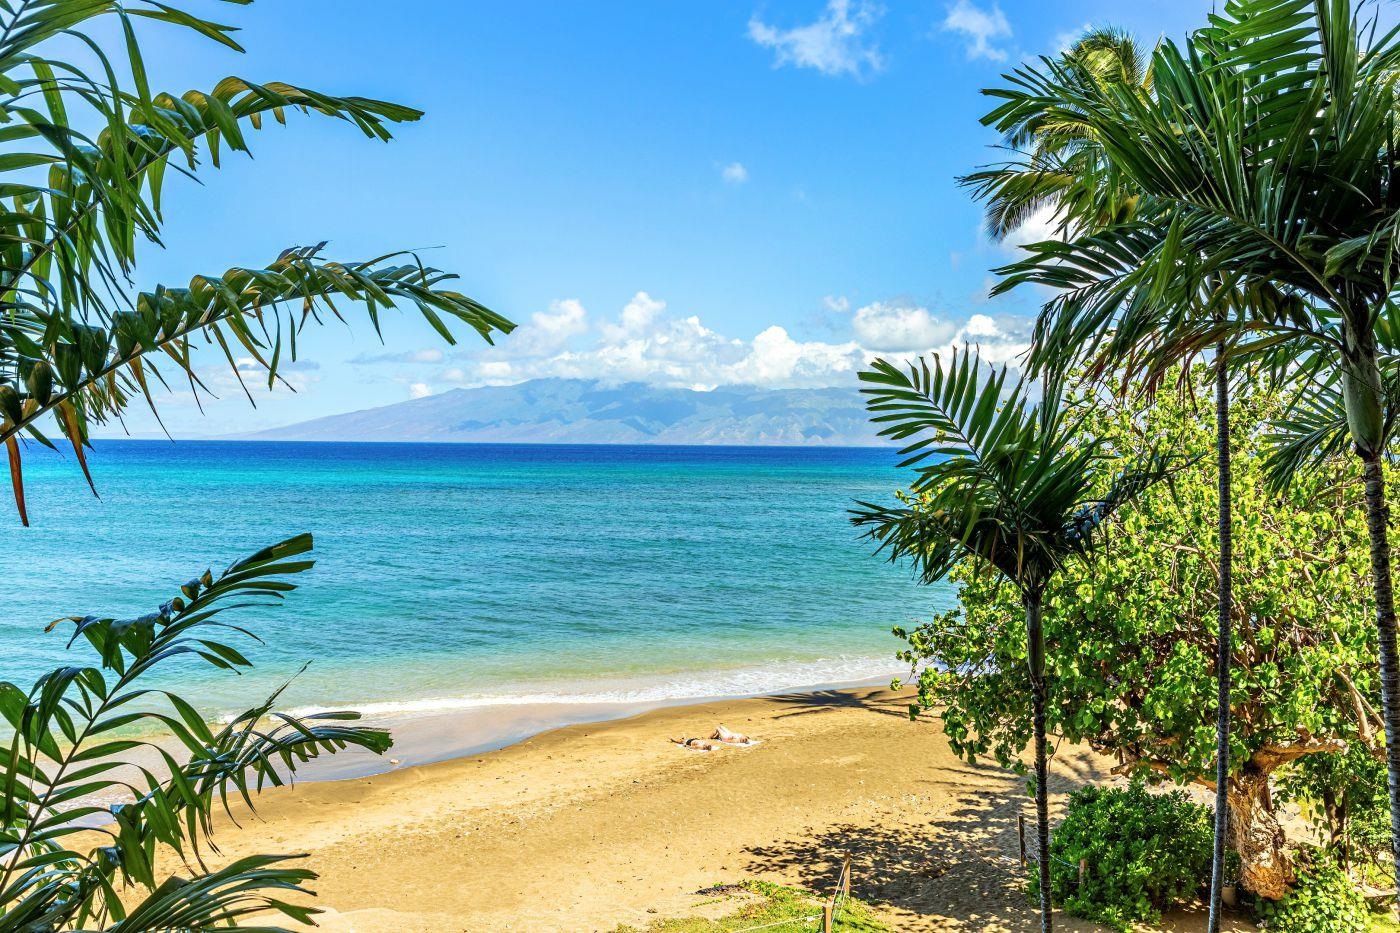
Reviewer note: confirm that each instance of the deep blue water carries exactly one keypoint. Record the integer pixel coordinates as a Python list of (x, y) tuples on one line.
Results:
[(466, 574)]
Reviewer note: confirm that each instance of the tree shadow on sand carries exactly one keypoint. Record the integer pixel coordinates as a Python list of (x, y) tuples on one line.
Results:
[(959, 870), (876, 700)]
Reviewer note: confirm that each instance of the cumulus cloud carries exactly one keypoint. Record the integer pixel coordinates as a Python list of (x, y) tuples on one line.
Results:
[(982, 28), (734, 173), (980, 325), (547, 330), (419, 390), (900, 327), (835, 44), (645, 342)]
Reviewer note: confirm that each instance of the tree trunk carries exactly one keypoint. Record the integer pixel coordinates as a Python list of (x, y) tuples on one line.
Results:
[(1365, 399), (1035, 654), (1377, 518), (1222, 643), (1265, 868)]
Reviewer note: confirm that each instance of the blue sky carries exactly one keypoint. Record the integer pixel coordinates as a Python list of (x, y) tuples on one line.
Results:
[(686, 194)]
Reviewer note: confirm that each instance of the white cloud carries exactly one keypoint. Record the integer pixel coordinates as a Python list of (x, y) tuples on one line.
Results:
[(900, 327), (637, 315), (979, 325), (1039, 226), (645, 343), (419, 390), (734, 173), (982, 28), (834, 44), (836, 304), (564, 319)]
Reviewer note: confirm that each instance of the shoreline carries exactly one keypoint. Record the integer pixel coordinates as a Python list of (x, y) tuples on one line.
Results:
[(440, 736)]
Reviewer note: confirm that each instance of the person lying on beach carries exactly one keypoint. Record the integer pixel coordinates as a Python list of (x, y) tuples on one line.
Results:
[(718, 739), (698, 744), (731, 738)]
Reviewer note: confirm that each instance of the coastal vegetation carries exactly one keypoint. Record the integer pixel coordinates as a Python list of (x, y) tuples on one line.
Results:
[(1229, 196), (92, 802), (1263, 160), (1006, 487), (1141, 853), (1131, 638), (1058, 163), (770, 907)]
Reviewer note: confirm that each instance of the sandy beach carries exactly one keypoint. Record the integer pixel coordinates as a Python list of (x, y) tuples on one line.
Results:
[(599, 824)]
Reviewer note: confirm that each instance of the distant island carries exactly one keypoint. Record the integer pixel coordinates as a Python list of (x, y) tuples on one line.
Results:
[(585, 411)]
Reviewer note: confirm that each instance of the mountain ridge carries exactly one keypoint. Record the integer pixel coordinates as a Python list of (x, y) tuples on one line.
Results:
[(587, 411)]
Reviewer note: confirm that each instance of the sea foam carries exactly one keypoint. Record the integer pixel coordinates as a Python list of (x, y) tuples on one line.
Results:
[(773, 678)]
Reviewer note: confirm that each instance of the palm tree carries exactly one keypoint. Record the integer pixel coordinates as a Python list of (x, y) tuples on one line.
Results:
[(1001, 483), (1055, 166), (1272, 140), (83, 164), (1058, 165)]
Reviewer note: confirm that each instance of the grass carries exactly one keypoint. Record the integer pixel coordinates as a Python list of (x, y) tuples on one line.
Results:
[(1384, 923), (790, 910)]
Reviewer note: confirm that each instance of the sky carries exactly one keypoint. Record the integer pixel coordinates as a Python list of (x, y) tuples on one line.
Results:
[(692, 194)]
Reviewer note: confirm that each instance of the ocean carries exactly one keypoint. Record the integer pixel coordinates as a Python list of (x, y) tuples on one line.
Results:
[(465, 576)]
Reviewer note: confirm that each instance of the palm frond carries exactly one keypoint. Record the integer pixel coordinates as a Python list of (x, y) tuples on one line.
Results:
[(997, 479), (70, 756), (88, 375), (90, 147)]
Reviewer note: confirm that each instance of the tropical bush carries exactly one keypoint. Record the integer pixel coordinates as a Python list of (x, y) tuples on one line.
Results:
[(1143, 851), (85, 751), (1324, 901), (1131, 641), (1343, 794)]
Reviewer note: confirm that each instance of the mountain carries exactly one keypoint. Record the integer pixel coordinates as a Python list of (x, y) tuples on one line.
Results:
[(582, 411)]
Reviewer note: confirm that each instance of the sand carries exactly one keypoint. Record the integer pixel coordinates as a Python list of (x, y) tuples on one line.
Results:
[(592, 825)]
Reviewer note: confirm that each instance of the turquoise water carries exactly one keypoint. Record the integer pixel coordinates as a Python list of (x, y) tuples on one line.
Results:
[(468, 575)]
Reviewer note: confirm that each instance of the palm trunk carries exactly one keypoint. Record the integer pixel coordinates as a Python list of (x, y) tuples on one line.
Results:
[(1222, 642), (1365, 399), (1035, 653), (1377, 517)]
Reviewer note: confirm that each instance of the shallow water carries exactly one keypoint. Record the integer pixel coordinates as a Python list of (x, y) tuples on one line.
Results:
[(455, 576)]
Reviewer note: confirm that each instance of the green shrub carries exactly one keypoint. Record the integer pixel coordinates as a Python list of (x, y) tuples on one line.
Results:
[(1144, 852), (1343, 794), (1324, 901)]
